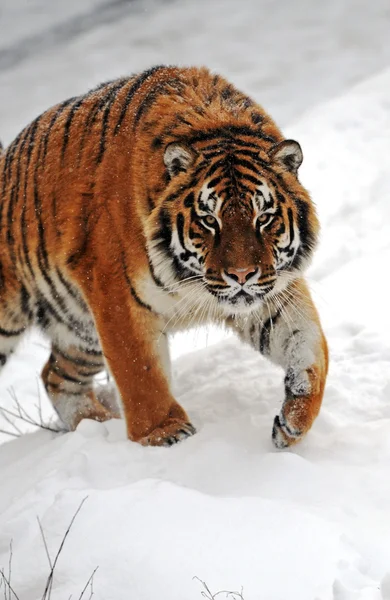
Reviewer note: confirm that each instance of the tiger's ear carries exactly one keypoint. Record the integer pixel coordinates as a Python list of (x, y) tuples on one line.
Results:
[(178, 158), (288, 154)]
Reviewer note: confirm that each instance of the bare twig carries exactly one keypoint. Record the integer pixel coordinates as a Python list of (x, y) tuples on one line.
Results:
[(39, 405), (49, 582), (21, 414), (206, 593), (12, 423), (90, 584), (7, 584), (11, 433), (45, 543), (10, 568), (5, 581)]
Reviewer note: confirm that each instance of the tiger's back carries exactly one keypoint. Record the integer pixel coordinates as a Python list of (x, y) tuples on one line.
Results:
[(91, 214)]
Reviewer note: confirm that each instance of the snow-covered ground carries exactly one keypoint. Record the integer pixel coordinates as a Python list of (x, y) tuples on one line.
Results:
[(312, 523)]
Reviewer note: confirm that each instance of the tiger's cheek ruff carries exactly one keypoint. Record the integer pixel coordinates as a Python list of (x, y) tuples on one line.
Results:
[(184, 249)]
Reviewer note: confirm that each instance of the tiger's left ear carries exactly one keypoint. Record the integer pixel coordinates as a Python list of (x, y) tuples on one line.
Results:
[(178, 158), (288, 154)]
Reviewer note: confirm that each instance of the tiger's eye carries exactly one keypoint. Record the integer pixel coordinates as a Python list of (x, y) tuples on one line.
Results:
[(210, 220), (263, 218)]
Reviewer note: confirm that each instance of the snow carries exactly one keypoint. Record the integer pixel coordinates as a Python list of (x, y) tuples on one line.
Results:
[(312, 523)]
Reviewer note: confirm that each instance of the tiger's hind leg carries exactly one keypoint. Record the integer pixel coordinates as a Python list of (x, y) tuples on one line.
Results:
[(68, 379), (15, 318)]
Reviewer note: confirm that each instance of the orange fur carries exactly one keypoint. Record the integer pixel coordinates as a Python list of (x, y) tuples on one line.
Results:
[(83, 191)]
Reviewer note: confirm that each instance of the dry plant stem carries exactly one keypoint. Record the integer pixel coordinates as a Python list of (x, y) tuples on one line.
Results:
[(21, 414), (207, 593), (90, 584), (49, 583), (6, 580)]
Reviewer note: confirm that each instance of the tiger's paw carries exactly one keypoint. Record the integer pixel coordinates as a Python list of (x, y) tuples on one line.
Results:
[(282, 435), (295, 419), (172, 431)]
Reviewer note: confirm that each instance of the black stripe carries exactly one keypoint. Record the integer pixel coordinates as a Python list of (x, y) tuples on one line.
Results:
[(80, 362), (242, 162), (53, 119), (180, 230), (72, 291), (30, 142), (110, 99), (3, 359), (11, 332), (156, 279), (229, 133), (165, 227), (2, 203), (215, 181), (165, 87), (249, 153), (265, 336), (290, 225), (252, 332), (219, 164), (132, 91), (30, 136), (60, 388), (132, 289), (150, 202), (90, 120), (63, 374), (68, 123), (306, 234), (74, 259), (248, 177), (25, 303)]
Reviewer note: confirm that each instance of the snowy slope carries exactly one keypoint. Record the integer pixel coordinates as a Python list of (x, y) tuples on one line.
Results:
[(308, 524)]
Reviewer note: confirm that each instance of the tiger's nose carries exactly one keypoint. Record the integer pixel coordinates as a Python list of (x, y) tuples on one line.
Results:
[(242, 275)]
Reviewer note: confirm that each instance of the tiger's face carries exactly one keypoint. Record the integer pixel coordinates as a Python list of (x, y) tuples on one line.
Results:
[(240, 225)]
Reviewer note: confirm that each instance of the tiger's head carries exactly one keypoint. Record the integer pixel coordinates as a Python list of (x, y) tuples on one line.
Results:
[(234, 218)]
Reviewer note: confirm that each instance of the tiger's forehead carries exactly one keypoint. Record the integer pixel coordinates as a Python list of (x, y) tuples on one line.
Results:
[(210, 200)]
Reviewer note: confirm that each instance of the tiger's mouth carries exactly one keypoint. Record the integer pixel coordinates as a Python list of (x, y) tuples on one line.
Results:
[(241, 299)]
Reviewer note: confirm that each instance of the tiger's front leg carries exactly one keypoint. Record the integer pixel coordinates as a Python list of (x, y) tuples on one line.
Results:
[(136, 351), (292, 337)]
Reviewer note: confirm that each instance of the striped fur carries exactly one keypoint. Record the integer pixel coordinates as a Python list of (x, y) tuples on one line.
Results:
[(150, 204)]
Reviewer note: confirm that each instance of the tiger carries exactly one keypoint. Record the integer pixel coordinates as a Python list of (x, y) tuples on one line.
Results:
[(151, 204)]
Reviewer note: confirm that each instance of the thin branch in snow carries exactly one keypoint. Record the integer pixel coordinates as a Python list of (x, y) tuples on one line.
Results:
[(206, 593), (49, 582), (7, 585), (39, 405), (45, 542), (7, 580), (90, 584), (18, 431), (10, 568), (21, 414), (11, 433)]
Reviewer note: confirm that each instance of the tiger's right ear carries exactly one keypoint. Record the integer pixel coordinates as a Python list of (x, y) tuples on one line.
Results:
[(178, 158)]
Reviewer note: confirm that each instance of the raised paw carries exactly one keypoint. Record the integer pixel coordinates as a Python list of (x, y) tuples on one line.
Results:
[(282, 435), (173, 430), (294, 421)]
